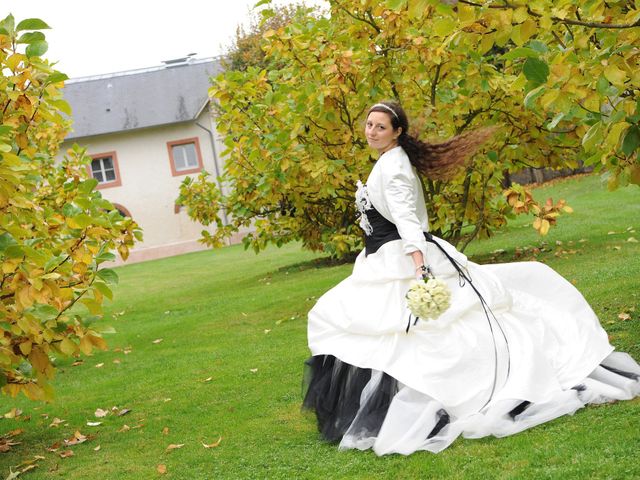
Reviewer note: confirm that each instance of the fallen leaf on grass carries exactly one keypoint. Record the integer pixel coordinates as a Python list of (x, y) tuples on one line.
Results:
[(253, 370), (632, 240), (174, 446), (76, 439), (14, 433), (93, 424), (611, 233), (267, 330), (39, 457), (117, 360), (56, 422), (13, 413), (162, 469), (208, 379), (66, 454), (54, 448), (97, 448), (125, 428), (100, 413), (5, 445), (617, 247), (121, 412), (157, 340), (624, 316), (165, 431), (100, 365), (212, 445), (13, 475), (28, 467), (77, 363)]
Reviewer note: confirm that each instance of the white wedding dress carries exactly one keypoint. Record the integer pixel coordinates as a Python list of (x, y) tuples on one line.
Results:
[(539, 352)]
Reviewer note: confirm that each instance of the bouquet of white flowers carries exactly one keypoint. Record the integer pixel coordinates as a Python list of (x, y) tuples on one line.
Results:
[(428, 298)]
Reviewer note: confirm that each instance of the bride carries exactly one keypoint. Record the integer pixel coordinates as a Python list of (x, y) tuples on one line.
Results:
[(519, 345)]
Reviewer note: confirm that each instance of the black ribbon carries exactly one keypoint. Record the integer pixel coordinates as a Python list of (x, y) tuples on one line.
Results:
[(463, 279)]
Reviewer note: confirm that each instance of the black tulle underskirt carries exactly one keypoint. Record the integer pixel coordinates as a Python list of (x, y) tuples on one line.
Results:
[(333, 389)]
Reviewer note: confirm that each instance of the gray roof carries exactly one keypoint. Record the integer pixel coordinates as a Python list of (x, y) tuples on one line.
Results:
[(173, 93)]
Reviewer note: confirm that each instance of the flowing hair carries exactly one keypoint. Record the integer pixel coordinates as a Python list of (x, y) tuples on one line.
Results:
[(436, 161)]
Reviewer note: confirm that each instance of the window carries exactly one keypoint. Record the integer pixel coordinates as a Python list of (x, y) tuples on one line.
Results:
[(104, 168), (123, 211), (185, 156)]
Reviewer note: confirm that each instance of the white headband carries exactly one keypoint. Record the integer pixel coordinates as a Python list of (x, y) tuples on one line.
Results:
[(386, 107)]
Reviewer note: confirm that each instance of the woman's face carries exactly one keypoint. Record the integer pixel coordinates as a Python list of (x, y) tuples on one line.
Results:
[(380, 133)]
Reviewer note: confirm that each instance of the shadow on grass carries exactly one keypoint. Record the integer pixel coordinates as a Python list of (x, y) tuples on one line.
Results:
[(323, 262)]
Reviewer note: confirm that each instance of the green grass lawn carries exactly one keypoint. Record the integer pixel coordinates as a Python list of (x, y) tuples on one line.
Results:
[(210, 346)]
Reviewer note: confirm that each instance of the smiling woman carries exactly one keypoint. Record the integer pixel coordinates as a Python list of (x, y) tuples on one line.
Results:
[(380, 133), (518, 345)]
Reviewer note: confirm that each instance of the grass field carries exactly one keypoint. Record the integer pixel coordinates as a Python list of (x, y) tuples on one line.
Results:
[(209, 349)]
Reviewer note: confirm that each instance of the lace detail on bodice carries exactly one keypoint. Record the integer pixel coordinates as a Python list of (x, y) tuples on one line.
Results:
[(363, 203)]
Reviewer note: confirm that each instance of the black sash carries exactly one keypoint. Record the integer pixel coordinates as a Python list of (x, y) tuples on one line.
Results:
[(383, 231)]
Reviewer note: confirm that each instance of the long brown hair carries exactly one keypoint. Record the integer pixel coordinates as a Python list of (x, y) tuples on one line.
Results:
[(437, 161)]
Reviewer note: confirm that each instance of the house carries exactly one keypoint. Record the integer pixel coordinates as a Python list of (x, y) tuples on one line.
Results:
[(146, 130)]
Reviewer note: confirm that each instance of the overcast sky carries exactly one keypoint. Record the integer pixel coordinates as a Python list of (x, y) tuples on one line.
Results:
[(88, 37)]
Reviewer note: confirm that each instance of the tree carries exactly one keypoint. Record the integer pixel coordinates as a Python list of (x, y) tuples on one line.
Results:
[(558, 77), (246, 49), (55, 229)]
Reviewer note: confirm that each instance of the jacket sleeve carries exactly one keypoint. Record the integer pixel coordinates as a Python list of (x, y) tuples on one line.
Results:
[(400, 193)]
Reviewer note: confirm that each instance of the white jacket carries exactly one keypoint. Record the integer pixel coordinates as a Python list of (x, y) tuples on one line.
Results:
[(395, 191)]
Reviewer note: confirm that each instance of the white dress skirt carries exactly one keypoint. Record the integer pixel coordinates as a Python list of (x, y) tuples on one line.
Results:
[(538, 354)]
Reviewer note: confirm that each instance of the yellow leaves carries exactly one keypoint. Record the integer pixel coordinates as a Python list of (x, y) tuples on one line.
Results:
[(614, 136), (94, 307), (592, 138), (12, 61), (24, 299), (486, 43), (89, 342), (520, 34), (542, 225), (615, 75), (522, 201), (520, 14), (40, 360), (548, 98), (591, 101), (25, 347), (466, 14), (443, 27), (634, 175)]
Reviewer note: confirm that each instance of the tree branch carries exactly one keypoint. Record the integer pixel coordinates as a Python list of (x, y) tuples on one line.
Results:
[(370, 21), (434, 85), (565, 21)]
